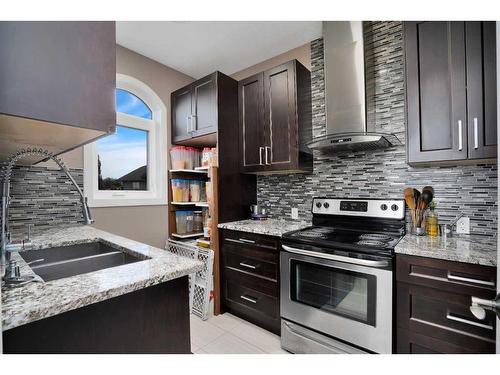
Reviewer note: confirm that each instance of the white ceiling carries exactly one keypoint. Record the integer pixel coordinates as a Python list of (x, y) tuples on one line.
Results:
[(199, 48)]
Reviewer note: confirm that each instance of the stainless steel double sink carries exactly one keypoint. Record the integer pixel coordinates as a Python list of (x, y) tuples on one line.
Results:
[(66, 261)]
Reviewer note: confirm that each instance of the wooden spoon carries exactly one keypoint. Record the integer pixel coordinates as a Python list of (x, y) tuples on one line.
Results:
[(409, 198), (416, 195)]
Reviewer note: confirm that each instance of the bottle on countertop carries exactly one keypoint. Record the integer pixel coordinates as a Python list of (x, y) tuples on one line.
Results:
[(432, 224)]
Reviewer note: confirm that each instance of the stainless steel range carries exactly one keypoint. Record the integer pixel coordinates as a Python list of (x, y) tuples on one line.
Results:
[(336, 277)]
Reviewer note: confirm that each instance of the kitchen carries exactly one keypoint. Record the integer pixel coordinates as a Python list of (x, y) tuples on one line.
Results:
[(337, 195)]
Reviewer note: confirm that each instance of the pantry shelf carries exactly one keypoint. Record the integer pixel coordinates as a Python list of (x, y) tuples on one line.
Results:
[(191, 235), (200, 171)]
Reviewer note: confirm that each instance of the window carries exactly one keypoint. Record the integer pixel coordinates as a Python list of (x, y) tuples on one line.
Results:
[(128, 167)]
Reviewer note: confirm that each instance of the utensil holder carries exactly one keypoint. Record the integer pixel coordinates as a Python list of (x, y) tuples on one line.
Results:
[(418, 221)]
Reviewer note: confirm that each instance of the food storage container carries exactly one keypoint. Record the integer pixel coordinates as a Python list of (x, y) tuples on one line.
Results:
[(205, 157), (177, 156), (189, 221), (177, 190), (198, 222), (185, 191), (195, 190), (180, 222)]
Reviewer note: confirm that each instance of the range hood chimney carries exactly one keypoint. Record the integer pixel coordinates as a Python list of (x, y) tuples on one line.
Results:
[(346, 127)]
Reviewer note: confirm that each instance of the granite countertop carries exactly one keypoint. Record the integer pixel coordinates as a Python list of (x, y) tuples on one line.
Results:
[(269, 227), (38, 300), (472, 249)]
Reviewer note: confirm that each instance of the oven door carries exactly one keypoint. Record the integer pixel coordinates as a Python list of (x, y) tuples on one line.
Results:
[(350, 302)]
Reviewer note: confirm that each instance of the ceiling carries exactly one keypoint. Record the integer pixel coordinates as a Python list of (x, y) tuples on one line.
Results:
[(198, 48)]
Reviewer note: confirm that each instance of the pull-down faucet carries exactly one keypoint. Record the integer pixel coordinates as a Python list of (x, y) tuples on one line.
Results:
[(5, 176)]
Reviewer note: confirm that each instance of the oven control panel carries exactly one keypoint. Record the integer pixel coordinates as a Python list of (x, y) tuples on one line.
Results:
[(388, 209)]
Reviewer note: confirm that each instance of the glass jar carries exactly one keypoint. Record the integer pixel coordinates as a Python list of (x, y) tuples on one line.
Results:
[(198, 222)]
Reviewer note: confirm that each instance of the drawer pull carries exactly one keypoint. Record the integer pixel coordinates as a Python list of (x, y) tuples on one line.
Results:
[(469, 322), (248, 299), (231, 240), (470, 280), (246, 241), (247, 265)]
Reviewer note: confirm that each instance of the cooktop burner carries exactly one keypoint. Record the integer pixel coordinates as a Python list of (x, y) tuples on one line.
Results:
[(375, 237), (371, 243)]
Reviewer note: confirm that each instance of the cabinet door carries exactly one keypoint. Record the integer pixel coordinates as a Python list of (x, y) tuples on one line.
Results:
[(481, 89), (181, 102), (205, 106), (59, 72), (251, 119), (280, 117), (436, 91)]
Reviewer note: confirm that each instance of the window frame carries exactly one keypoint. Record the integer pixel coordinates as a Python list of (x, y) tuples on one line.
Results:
[(157, 163)]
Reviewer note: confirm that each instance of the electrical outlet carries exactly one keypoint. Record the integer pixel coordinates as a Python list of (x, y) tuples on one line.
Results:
[(295, 213), (463, 225)]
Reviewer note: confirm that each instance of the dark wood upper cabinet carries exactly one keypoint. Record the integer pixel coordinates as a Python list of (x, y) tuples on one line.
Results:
[(450, 83), (251, 117), (182, 104), (58, 83), (205, 106), (275, 120), (195, 112), (481, 89)]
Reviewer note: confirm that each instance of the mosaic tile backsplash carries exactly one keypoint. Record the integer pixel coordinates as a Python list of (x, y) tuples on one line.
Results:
[(470, 189), (43, 197)]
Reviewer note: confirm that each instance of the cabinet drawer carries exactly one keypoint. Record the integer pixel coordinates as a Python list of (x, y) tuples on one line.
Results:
[(250, 263), (455, 277), (252, 299), (250, 240), (408, 342), (259, 284), (444, 316)]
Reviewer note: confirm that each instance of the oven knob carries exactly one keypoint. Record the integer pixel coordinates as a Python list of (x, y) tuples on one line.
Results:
[(326, 204), (318, 204), (383, 207), (394, 207)]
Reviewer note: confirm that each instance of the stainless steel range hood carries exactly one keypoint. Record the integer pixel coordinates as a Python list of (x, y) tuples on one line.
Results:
[(345, 92)]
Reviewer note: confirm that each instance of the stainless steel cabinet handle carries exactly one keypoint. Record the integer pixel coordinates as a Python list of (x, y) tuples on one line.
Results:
[(247, 241), (469, 322), (231, 240), (248, 299), (476, 140), (260, 155), (340, 258), (247, 265), (193, 123), (450, 276), (460, 135), (267, 155)]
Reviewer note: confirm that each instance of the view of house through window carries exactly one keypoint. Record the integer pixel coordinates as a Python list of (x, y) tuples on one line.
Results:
[(122, 158)]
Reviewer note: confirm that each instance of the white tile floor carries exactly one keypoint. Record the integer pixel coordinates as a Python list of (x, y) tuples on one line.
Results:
[(228, 334)]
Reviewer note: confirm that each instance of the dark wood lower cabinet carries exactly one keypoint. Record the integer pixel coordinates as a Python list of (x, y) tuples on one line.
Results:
[(433, 300), (150, 320), (250, 278)]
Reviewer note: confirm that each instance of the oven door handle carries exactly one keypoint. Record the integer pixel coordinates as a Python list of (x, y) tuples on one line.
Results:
[(340, 258)]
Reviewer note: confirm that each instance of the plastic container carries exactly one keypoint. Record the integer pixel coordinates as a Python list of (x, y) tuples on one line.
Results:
[(195, 190), (177, 157), (181, 222), (189, 221), (185, 191), (198, 222), (177, 190), (206, 157)]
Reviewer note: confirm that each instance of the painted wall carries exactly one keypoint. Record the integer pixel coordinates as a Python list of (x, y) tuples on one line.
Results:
[(302, 53), (470, 189)]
